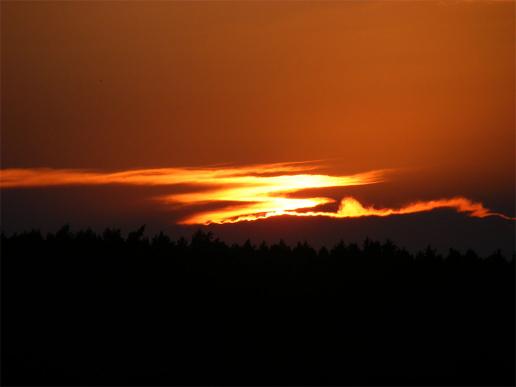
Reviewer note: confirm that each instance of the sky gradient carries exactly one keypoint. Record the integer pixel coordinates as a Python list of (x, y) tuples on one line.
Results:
[(424, 89)]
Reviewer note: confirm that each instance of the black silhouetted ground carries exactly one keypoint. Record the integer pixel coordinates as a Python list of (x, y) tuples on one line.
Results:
[(81, 308)]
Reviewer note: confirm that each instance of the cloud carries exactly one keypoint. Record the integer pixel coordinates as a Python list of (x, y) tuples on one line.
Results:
[(352, 208), (243, 193)]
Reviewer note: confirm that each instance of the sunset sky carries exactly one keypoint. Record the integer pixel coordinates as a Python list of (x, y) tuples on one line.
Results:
[(419, 93)]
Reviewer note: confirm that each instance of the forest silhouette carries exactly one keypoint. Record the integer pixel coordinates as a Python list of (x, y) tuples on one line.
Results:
[(81, 308)]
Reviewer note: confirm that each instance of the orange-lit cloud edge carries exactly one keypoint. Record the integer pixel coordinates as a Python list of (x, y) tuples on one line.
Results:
[(255, 192)]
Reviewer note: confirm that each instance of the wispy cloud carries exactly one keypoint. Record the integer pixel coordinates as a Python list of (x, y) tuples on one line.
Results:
[(243, 193)]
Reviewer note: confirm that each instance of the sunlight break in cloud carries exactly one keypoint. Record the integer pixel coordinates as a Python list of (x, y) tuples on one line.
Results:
[(244, 193)]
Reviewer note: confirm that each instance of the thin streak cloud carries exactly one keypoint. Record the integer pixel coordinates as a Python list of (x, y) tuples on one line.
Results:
[(244, 193)]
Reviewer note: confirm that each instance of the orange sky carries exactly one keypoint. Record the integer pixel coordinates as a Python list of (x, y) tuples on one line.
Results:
[(381, 84), (425, 87)]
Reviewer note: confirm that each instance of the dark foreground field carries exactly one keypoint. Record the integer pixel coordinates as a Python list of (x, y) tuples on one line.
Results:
[(95, 309)]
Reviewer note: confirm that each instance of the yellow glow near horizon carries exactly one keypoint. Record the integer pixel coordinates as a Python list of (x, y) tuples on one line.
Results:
[(352, 208), (243, 193)]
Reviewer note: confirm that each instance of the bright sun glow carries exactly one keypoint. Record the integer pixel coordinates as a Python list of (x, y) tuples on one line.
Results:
[(243, 193)]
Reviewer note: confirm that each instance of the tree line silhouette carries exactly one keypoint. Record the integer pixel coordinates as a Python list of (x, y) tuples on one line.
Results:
[(81, 308)]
